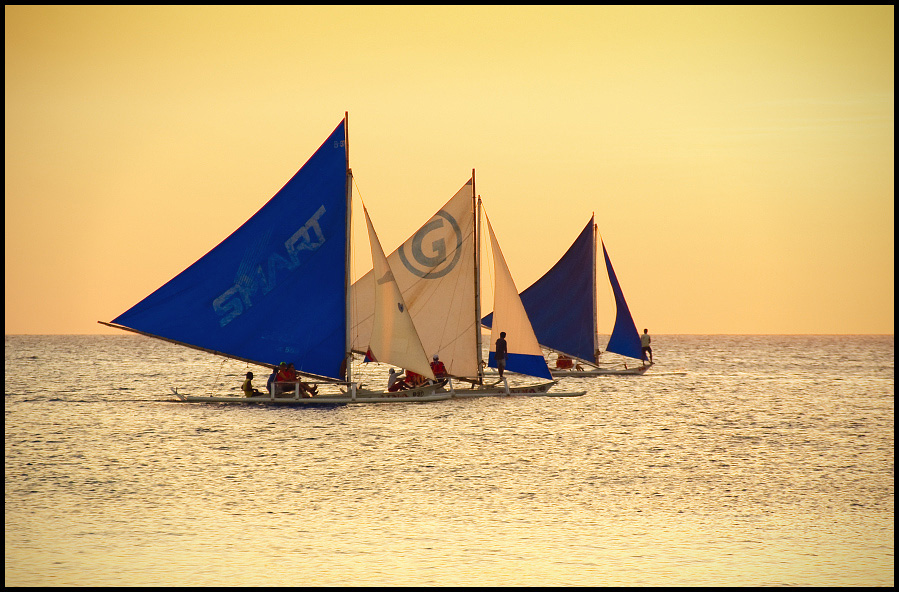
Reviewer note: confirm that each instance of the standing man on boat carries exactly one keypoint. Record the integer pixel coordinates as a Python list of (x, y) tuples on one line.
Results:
[(501, 350), (645, 340)]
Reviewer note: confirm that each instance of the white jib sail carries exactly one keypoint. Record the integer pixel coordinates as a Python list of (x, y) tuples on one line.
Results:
[(434, 270), (394, 339), (509, 316)]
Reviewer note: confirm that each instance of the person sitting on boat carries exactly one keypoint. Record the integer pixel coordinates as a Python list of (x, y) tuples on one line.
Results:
[(283, 382), (414, 379), (563, 362), (247, 387), (287, 378), (438, 368), (308, 391), (269, 385), (395, 382)]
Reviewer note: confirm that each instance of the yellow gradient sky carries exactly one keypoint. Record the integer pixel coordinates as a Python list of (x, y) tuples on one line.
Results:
[(739, 159)]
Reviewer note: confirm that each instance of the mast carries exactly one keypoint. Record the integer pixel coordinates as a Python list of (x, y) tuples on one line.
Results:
[(595, 323), (348, 348), (476, 209)]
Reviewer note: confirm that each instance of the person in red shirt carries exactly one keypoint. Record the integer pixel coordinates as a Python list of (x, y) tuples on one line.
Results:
[(413, 379), (438, 368), (287, 375), (564, 361), (283, 382)]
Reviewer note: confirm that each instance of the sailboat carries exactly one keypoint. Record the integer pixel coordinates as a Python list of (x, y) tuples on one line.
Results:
[(437, 270), (277, 289), (562, 308)]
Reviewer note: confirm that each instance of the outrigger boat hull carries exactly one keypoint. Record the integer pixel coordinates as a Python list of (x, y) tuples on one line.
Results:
[(425, 394), (635, 371), (503, 390)]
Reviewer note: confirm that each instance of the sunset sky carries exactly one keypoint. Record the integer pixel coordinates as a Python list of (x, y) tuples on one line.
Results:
[(739, 160)]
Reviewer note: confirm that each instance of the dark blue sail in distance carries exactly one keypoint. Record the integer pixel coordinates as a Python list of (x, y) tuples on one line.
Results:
[(275, 289), (625, 339), (560, 304)]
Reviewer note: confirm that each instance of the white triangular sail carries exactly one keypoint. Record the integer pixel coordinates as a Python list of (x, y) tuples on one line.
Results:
[(393, 337), (524, 353), (434, 270)]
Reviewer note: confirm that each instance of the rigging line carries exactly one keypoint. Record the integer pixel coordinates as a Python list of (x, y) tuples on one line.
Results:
[(488, 250), (217, 376), (353, 250), (354, 297)]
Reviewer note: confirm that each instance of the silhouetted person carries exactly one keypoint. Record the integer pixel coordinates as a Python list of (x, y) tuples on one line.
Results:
[(501, 352), (645, 339)]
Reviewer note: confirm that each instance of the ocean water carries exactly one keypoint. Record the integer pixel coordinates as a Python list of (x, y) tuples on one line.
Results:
[(769, 463)]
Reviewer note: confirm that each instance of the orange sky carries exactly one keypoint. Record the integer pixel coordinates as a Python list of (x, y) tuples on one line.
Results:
[(739, 159)]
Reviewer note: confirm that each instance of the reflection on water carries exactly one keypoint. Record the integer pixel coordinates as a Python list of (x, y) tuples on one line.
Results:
[(769, 463)]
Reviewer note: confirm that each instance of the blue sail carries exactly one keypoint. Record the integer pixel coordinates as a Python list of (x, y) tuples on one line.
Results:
[(625, 339), (523, 364), (275, 289), (560, 304)]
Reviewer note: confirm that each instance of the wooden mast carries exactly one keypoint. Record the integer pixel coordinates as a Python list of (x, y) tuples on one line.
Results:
[(595, 323), (348, 345), (476, 209)]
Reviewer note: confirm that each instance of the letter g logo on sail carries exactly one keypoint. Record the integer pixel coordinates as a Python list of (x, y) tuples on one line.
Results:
[(437, 236)]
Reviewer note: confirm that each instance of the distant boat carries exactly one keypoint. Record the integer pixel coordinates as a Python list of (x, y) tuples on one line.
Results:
[(562, 308), (276, 290), (438, 272)]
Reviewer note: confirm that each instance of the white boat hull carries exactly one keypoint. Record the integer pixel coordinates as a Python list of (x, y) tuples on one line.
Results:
[(635, 371), (434, 392), (424, 394), (504, 390)]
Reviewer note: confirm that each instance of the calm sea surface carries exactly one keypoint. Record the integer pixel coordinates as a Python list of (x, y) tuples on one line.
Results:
[(769, 463)]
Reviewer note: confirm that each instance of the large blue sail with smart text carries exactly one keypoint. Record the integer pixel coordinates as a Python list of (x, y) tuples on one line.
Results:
[(275, 289), (560, 304)]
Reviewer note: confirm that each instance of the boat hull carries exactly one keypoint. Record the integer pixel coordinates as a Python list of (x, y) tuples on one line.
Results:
[(425, 394), (430, 393), (636, 371), (502, 390)]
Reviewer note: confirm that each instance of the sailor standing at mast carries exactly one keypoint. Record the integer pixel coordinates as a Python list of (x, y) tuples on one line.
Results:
[(645, 340), (501, 349)]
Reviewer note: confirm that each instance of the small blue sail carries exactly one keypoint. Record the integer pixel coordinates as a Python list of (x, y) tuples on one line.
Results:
[(625, 339), (275, 289), (560, 304), (523, 364)]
